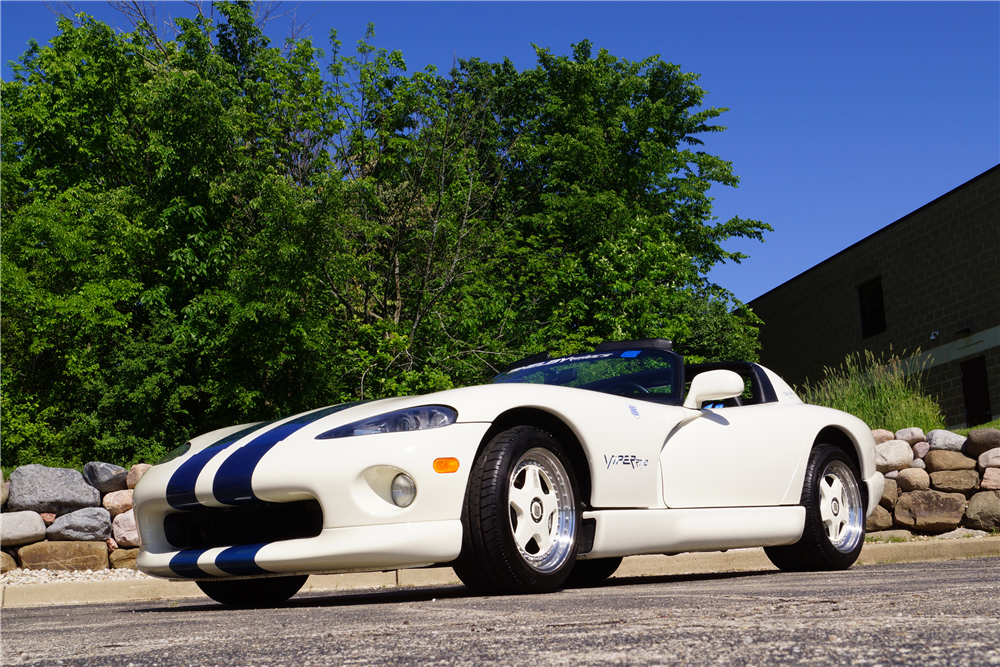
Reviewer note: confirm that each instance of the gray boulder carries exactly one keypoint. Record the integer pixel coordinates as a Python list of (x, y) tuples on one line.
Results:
[(879, 520), (989, 459), (913, 479), (983, 512), (57, 490), (982, 440), (941, 439), (87, 525), (881, 435), (930, 511), (893, 455), (17, 528), (918, 463), (890, 492), (991, 480), (126, 532), (910, 435), (948, 460), (955, 481), (105, 477)]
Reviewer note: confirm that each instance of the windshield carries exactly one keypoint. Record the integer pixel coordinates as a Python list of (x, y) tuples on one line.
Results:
[(650, 374)]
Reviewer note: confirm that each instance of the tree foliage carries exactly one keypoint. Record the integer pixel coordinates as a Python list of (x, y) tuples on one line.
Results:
[(214, 230)]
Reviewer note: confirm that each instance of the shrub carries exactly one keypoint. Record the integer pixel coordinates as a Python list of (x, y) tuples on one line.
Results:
[(883, 393)]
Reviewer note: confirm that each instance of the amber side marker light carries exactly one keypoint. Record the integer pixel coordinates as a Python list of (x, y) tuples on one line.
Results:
[(446, 465)]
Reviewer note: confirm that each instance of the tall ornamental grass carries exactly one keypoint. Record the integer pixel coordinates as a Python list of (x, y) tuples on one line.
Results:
[(878, 391)]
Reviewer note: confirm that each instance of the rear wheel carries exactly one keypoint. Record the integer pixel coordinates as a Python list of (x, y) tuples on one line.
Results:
[(591, 572), (834, 531), (520, 515), (244, 593)]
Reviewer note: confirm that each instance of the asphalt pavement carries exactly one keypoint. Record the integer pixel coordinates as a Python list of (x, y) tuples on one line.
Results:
[(933, 614), (740, 560)]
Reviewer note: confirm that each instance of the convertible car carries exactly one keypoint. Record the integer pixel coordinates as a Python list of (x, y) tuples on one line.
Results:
[(545, 477)]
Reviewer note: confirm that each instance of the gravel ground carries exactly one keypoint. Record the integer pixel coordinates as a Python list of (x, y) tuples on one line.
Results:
[(22, 577)]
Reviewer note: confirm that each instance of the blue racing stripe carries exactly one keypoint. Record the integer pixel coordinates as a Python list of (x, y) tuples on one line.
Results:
[(232, 484), (240, 560), (180, 488), (185, 564)]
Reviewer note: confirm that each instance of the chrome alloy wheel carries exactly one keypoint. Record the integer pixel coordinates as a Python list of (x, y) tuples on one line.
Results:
[(840, 507), (542, 515)]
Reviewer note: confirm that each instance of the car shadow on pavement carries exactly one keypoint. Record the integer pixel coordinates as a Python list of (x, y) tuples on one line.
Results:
[(367, 597)]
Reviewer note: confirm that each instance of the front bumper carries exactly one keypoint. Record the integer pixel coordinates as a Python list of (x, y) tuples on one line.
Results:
[(354, 549)]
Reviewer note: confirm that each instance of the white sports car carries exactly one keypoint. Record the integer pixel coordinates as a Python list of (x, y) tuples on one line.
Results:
[(543, 478)]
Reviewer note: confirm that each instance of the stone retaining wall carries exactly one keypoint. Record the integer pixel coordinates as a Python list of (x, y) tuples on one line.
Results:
[(60, 519), (936, 482)]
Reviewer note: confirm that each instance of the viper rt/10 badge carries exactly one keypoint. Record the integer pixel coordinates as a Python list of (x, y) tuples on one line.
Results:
[(625, 460)]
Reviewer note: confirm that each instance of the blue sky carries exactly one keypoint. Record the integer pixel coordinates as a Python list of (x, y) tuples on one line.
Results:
[(843, 116)]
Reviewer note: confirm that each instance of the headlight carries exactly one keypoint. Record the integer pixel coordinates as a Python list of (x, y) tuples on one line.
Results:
[(411, 419)]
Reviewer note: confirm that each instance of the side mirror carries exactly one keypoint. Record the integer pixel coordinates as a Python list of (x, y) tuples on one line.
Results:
[(713, 386)]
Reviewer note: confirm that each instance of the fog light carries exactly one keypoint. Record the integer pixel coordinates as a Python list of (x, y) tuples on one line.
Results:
[(403, 490)]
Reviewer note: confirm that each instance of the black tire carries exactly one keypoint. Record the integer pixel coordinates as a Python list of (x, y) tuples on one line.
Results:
[(247, 593), (834, 531), (520, 516), (591, 572)]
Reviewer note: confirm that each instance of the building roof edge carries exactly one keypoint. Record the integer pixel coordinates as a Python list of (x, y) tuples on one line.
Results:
[(879, 231)]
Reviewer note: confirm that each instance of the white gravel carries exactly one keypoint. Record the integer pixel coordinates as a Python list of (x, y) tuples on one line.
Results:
[(21, 577)]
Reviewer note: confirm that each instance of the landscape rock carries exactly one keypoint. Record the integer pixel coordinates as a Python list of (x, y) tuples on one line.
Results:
[(879, 520), (918, 463), (948, 460), (86, 525), (982, 440), (881, 435), (4, 492), (126, 532), (920, 449), (892, 475), (117, 502), (57, 490), (913, 479), (17, 528), (136, 473), (946, 440), (991, 479), (123, 559), (7, 562), (893, 455), (48, 517), (112, 545), (890, 492), (930, 511), (983, 512), (955, 481), (961, 532), (65, 556), (989, 459), (105, 477), (910, 435)]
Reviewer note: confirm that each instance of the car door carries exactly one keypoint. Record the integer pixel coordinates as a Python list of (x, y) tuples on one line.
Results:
[(742, 456)]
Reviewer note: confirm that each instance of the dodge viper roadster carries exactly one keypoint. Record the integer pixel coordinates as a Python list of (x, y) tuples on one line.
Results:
[(543, 478)]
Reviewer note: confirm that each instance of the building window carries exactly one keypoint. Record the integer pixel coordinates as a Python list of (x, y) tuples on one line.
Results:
[(872, 308)]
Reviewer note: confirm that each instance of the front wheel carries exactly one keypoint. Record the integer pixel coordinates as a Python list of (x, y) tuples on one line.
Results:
[(520, 515), (247, 593), (834, 531)]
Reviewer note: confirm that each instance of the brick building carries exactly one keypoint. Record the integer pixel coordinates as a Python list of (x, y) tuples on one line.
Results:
[(930, 280)]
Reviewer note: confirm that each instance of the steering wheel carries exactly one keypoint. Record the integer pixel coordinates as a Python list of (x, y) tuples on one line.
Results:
[(619, 388)]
